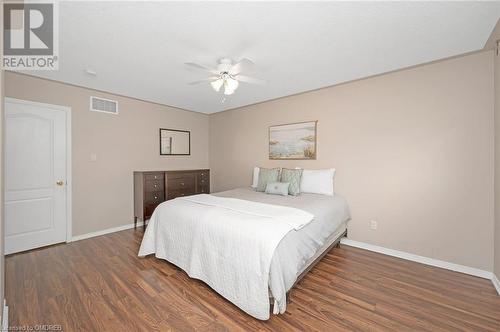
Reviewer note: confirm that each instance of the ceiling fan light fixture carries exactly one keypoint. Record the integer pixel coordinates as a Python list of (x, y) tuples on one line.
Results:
[(227, 76), (217, 84), (232, 84)]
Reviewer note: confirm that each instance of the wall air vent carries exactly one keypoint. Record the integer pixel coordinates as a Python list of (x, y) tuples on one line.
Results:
[(103, 105)]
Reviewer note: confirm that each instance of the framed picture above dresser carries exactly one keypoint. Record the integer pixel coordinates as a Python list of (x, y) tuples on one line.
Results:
[(154, 187), (174, 142)]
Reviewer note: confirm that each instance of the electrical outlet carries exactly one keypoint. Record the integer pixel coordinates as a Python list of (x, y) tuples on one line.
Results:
[(373, 224)]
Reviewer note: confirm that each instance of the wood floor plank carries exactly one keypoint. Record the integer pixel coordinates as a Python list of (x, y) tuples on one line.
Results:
[(100, 284)]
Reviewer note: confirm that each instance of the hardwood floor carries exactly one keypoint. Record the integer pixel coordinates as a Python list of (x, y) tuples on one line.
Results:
[(100, 284)]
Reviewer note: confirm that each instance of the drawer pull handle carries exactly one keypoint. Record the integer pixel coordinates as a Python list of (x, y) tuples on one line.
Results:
[(156, 197), (182, 183), (202, 181), (155, 177), (202, 174), (156, 185)]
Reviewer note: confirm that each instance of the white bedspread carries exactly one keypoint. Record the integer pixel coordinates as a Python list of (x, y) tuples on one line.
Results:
[(331, 214), (294, 217), (228, 243)]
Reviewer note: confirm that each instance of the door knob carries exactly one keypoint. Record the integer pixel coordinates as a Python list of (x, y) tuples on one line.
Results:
[(60, 182)]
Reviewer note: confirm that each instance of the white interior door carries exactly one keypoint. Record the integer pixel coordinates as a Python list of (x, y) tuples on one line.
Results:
[(35, 175)]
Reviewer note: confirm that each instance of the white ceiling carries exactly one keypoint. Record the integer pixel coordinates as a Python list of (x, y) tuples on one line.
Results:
[(138, 49)]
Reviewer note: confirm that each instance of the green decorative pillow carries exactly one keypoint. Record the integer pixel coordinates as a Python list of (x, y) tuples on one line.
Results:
[(292, 176), (277, 188), (267, 175)]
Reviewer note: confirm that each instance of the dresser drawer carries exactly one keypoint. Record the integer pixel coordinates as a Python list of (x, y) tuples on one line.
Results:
[(154, 176), (203, 182), (154, 197), (149, 209), (204, 190), (180, 183), (152, 188), (179, 193), (154, 185)]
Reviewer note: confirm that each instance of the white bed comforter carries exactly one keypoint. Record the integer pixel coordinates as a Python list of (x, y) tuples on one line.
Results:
[(226, 242)]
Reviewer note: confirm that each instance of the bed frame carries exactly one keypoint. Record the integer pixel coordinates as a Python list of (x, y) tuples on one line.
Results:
[(335, 243)]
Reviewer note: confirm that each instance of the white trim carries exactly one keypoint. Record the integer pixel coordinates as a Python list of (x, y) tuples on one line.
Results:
[(496, 283), (5, 316), (69, 178), (103, 232), (69, 198), (420, 259), (35, 103)]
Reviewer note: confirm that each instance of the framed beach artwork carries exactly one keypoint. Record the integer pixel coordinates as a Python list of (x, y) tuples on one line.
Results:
[(294, 141)]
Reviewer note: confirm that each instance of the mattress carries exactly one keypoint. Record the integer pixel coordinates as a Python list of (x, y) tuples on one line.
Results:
[(300, 247)]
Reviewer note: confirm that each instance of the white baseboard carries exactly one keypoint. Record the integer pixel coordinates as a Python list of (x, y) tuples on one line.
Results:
[(421, 259), (5, 316), (496, 283), (103, 232)]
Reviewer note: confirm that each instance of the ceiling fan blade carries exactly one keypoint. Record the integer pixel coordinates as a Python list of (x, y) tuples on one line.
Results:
[(197, 66), (208, 79), (238, 67), (251, 80)]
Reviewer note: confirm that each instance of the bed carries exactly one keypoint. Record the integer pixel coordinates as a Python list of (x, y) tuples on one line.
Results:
[(242, 253)]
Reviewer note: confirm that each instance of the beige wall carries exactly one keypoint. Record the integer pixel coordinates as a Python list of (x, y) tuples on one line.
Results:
[(492, 45), (497, 160), (413, 150), (103, 190)]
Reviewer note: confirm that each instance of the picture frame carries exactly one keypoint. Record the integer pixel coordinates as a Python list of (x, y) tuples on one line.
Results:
[(175, 142), (293, 141)]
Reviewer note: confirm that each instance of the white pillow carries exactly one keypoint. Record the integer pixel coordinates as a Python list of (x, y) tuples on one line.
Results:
[(317, 181), (255, 181)]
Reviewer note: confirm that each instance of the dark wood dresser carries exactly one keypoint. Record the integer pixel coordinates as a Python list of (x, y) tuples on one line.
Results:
[(152, 188)]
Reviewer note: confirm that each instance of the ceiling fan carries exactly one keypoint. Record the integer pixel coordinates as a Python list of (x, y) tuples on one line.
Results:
[(227, 75)]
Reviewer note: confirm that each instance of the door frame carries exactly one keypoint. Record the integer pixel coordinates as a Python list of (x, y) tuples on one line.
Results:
[(69, 202)]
